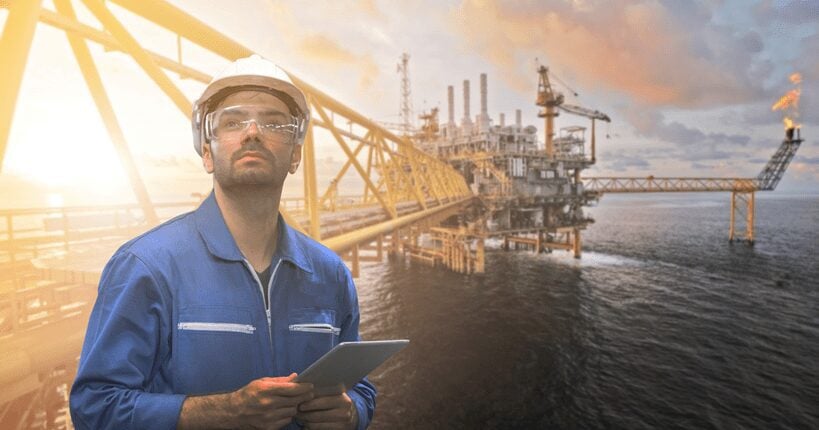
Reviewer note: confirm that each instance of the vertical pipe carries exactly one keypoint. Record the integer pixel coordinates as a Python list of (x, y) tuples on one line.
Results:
[(593, 153), (731, 222), (480, 256), (577, 245), (450, 94), (550, 131), (466, 119), (15, 44), (750, 223), (310, 187), (356, 265), (396, 242), (484, 109)]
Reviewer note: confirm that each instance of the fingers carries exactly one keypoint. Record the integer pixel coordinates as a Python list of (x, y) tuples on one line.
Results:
[(324, 403), (332, 415), (327, 412), (270, 400), (288, 378), (282, 386)]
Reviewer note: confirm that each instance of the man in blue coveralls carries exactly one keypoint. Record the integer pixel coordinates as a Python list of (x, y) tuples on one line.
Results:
[(197, 320)]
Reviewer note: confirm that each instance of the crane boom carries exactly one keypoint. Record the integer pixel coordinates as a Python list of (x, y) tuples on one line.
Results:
[(588, 113)]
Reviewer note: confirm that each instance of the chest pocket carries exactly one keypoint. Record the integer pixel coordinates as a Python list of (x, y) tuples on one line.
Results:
[(217, 348), (310, 334)]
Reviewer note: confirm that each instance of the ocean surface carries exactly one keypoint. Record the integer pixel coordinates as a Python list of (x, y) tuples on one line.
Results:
[(662, 324)]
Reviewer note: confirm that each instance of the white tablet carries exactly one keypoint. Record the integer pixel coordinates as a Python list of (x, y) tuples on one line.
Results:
[(349, 362)]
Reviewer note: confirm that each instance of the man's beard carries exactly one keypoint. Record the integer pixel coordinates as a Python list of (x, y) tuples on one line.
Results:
[(265, 173)]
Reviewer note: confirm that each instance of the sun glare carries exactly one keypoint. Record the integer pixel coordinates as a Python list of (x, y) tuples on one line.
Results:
[(59, 152)]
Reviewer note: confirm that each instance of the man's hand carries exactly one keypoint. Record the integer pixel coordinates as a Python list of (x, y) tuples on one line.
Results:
[(334, 410), (265, 403)]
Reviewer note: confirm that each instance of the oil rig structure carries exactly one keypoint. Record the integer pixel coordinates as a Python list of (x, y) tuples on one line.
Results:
[(529, 195)]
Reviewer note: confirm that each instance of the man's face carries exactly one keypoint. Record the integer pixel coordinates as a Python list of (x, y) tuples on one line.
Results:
[(249, 158)]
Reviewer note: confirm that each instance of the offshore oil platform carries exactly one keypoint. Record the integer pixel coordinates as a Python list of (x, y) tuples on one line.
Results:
[(532, 196), (529, 195), (436, 194)]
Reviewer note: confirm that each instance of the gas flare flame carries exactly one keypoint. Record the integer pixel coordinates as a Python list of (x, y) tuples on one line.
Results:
[(789, 103), (791, 99)]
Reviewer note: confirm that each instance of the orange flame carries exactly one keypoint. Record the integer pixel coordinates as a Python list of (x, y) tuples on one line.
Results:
[(789, 103), (788, 123), (791, 99)]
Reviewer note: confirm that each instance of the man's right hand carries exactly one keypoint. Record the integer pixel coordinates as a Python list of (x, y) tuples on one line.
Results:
[(269, 402), (265, 403)]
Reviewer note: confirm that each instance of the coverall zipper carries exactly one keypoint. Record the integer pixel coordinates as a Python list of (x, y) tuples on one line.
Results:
[(269, 295)]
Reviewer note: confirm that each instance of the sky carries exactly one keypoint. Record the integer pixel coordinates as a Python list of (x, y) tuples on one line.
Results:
[(689, 85)]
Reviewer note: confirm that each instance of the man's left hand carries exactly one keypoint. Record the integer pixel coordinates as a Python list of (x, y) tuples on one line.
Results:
[(329, 411)]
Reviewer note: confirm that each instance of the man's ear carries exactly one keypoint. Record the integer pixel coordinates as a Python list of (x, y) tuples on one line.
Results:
[(295, 158), (207, 157)]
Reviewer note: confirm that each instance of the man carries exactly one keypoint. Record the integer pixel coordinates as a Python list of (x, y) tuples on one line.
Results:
[(195, 317)]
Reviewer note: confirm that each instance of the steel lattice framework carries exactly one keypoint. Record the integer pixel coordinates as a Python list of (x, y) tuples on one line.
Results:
[(742, 189), (396, 173)]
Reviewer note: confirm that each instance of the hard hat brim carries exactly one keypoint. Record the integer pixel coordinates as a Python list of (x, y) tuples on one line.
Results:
[(240, 81)]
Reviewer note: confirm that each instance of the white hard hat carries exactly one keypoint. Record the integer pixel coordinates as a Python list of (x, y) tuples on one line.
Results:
[(253, 73)]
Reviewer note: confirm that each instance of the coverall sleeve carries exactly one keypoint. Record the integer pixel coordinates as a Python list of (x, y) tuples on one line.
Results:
[(128, 337), (363, 393)]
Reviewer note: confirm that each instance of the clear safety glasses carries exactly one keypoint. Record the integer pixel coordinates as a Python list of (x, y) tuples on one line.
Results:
[(233, 121)]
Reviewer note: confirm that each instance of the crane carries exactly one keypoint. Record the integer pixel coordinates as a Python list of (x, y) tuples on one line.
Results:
[(551, 100), (593, 115)]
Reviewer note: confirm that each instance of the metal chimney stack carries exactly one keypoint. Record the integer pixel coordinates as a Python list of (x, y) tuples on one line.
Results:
[(450, 93), (518, 122), (502, 120), (483, 96), (483, 118), (466, 121)]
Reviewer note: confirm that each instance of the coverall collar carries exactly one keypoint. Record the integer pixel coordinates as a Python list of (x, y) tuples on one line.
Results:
[(220, 243)]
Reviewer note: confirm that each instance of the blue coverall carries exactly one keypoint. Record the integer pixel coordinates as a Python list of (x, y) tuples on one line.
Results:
[(180, 311)]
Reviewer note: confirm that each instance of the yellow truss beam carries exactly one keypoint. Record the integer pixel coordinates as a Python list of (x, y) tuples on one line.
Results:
[(659, 185), (15, 44), (109, 118), (310, 189), (142, 57), (318, 108)]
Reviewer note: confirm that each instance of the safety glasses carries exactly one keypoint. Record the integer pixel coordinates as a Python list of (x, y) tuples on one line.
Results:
[(233, 122)]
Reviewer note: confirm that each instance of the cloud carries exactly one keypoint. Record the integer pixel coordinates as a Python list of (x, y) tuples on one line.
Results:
[(814, 161), (622, 161), (322, 48), (662, 53), (651, 123), (370, 8), (791, 12), (625, 163)]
